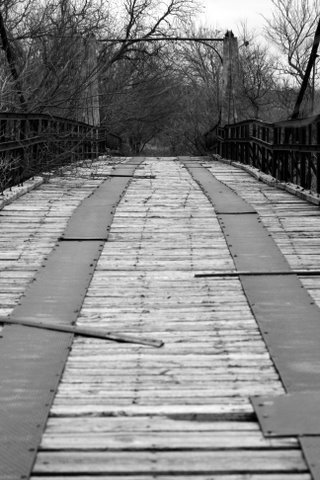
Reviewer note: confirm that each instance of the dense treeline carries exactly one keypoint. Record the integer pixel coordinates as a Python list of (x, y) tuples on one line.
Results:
[(62, 57)]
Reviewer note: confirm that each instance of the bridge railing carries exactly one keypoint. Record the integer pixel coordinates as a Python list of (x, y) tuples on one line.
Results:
[(34, 143), (288, 150)]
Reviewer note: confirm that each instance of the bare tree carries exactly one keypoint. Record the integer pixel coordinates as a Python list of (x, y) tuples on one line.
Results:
[(198, 70), (257, 81), (291, 28), (138, 91), (142, 20), (50, 43), (46, 51), (138, 96)]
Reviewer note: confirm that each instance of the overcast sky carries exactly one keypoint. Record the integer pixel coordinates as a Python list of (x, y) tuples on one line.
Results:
[(226, 14)]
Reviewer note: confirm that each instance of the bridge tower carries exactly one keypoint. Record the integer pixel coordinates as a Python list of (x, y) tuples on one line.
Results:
[(230, 79), (89, 110)]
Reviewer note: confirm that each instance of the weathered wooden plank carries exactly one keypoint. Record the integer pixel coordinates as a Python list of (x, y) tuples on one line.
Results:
[(202, 378), (246, 476), (141, 424), (94, 406), (240, 461), (174, 354), (162, 441), (169, 395), (223, 410)]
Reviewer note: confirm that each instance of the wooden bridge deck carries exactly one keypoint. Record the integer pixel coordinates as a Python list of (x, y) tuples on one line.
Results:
[(125, 411)]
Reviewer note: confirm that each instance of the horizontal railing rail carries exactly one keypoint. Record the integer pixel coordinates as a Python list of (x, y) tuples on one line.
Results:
[(31, 144), (288, 150)]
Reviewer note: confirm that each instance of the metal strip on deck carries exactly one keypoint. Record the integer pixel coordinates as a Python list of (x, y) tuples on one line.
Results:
[(288, 318), (250, 244), (93, 218), (290, 324), (32, 360), (225, 200), (57, 291)]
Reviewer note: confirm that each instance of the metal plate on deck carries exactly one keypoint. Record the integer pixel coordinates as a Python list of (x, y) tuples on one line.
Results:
[(58, 290), (98, 209), (250, 244), (293, 414), (224, 200), (290, 324), (32, 362)]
